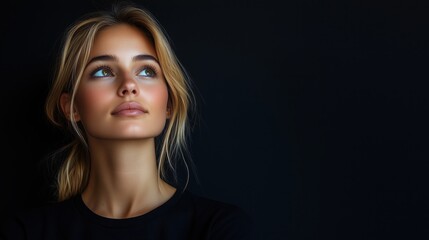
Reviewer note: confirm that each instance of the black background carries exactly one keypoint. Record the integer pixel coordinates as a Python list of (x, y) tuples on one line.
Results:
[(313, 115)]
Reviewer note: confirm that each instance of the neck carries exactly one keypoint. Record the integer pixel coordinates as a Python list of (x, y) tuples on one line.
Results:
[(124, 180)]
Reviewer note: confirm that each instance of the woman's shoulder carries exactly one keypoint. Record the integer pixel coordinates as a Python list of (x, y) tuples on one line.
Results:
[(16, 224), (44, 210), (210, 205), (224, 219)]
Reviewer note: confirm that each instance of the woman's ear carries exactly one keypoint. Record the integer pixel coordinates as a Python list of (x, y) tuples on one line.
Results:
[(169, 112), (169, 108), (65, 102)]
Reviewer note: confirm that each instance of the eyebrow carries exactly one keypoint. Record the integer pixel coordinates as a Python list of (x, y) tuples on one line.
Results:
[(115, 59)]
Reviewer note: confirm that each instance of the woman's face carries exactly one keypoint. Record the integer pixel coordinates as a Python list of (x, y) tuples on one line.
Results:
[(122, 94)]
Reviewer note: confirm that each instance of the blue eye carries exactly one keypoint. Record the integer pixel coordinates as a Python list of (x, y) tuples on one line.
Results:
[(147, 72), (102, 72)]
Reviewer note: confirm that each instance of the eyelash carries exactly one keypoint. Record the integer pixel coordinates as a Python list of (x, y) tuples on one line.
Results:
[(100, 68), (148, 66), (151, 67)]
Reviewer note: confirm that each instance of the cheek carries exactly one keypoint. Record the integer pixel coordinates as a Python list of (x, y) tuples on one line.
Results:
[(158, 97), (88, 100)]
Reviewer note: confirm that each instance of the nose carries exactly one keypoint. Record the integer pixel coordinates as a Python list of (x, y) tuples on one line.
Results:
[(128, 87)]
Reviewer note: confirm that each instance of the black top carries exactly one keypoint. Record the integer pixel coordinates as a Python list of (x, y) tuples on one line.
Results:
[(183, 216)]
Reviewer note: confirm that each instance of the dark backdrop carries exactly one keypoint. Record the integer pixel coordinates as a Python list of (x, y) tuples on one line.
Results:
[(312, 114)]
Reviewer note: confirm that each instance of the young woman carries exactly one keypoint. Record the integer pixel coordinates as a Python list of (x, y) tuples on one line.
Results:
[(124, 96)]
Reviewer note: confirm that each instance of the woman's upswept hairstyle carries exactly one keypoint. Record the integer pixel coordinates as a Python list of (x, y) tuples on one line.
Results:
[(171, 145)]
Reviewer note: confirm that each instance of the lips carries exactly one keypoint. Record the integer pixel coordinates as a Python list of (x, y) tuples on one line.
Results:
[(129, 109)]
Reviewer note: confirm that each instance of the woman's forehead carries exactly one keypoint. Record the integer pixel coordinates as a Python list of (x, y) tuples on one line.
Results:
[(121, 39)]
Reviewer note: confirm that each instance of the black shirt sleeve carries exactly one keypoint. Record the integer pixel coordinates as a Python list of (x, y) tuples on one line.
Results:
[(233, 224), (11, 228)]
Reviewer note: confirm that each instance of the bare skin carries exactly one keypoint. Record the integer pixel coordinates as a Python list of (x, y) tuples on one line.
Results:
[(124, 179), (123, 189)]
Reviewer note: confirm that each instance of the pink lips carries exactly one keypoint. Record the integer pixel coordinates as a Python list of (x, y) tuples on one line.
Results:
[(129, 109)]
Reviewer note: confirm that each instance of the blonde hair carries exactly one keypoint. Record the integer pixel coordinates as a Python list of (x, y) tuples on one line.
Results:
[(73, 174)]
